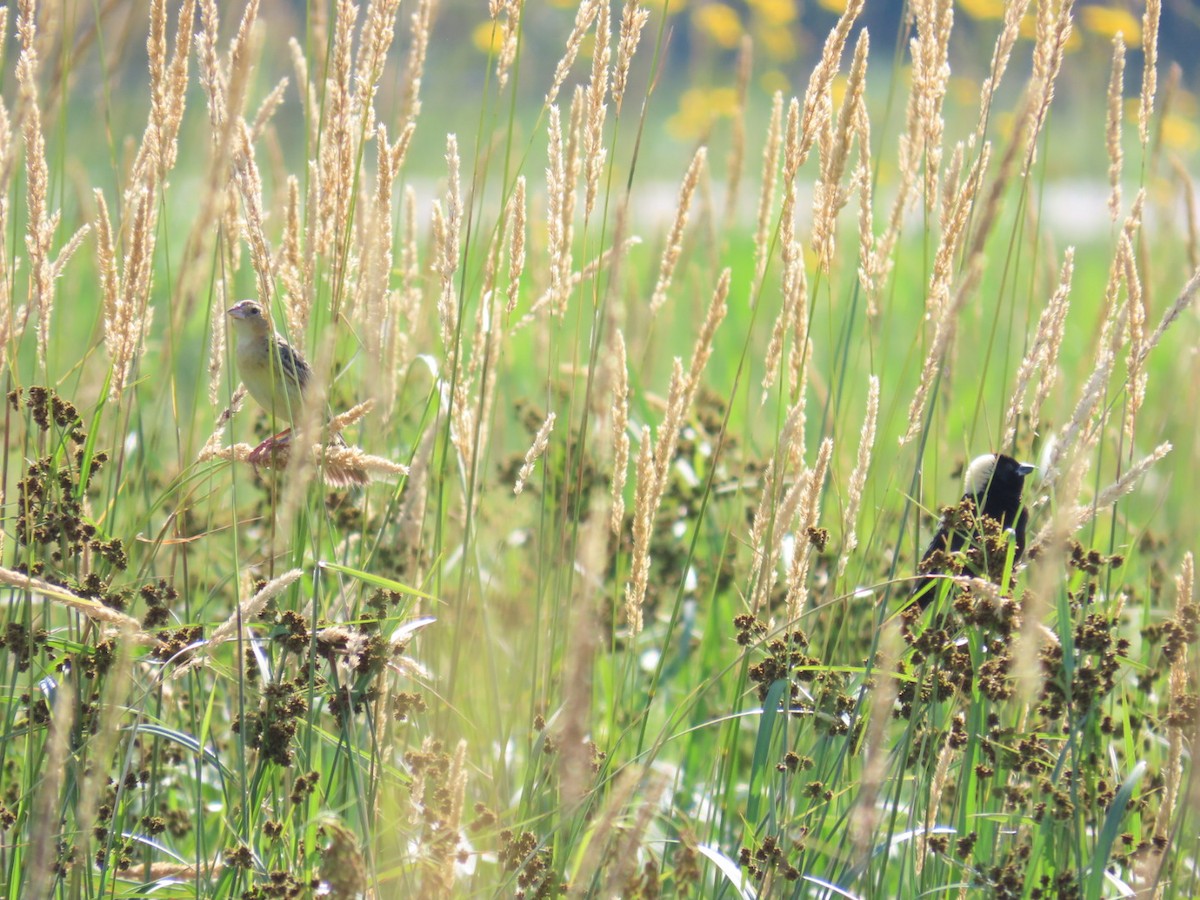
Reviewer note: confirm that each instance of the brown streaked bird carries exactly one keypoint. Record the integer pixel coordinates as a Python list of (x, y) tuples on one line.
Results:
[(994, 481), (274, 373)]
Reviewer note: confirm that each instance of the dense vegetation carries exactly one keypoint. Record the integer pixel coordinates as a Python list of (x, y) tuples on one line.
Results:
[(660, 377)]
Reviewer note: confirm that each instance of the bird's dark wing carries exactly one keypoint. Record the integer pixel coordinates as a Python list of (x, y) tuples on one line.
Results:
[(1019, 533), (293, 363)]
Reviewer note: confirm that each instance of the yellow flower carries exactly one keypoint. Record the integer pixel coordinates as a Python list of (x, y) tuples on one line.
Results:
[(774, 12), (720, 23), (1108, 20), (488, 37), (779, 43), (698, 108), (837, 6), (1180, 133), (983, 9)]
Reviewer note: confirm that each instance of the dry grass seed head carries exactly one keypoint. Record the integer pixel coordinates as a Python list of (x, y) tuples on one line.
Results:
[(808, 515), (1042, 355), (643, 522), (584, 16), (674, 244), (1150, 20), (515, 229), (594, 153), (828, 194), (634, 17), (1112, 131), (816, 95), (858, 478), (620, 429), (766, 197), (737, 137), (421, 30), (540, 442)]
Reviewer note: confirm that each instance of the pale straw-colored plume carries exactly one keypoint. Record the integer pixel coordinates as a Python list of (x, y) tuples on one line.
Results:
[(243, 617), (557, 240), (952, 185), (169, 81), (514, 227), (608, 258), (865, 814), (941, 774), (294, 265), (126, 294), (1172, 313), (737, 136), (766, 197), (816, 95), (1113, 119), (584, 17), (1053, 31), (93, 609), (702, 349), (40, 858), (421, 29), (947, 326), (1150, 21), (534, 453), (864, 179), (829, 194), (620, 429), (11, 326), (931, 76), (1188, 190), (1042, 356), (643, 525), (808, 515), (1014, 13), (216, 440), (1181, 724), (306, 89), (668, 431), (1073, 517), (506, 15), (770, 517), (674, 244), (633, 19), (337, 151), (1135, 330), (377, 301), (1094, 389), (249, 184), (446, 248), (41, 222), (594, 153), (858, 478), (655, 457), (267, 109), (375, 40), (575, 759)]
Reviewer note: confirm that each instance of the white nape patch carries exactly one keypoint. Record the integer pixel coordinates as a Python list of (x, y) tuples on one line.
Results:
[(979, 473)]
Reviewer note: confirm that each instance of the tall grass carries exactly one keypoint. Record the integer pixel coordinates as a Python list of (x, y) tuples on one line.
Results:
[(623, 607)]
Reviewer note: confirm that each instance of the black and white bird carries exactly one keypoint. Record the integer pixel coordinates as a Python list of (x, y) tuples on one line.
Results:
[(994, 482)]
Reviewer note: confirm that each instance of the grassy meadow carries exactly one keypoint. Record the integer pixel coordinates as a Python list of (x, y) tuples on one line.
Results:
[(657, 337)]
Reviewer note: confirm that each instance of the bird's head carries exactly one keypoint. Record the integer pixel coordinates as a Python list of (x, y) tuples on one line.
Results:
[(249, 315), (995, 472)]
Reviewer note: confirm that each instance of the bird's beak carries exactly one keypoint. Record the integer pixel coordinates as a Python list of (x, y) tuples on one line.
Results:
[(1024, 469), (237, 311)]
